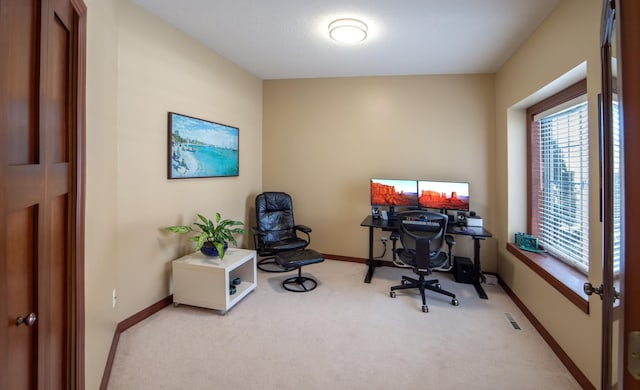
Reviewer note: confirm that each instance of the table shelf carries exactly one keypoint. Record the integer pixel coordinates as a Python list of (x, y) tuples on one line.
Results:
[(203, 281)]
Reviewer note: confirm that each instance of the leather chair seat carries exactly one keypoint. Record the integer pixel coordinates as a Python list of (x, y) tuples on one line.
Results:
[(290, 244), (296, 260)]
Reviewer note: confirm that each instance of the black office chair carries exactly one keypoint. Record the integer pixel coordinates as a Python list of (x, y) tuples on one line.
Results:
[(276, 231), (422, 234)]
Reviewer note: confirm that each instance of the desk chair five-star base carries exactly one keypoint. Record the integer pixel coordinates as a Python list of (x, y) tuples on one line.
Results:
[(422, 235)]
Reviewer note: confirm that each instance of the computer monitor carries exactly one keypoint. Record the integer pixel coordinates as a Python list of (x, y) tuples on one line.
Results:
[(394, 192), (443, 195)]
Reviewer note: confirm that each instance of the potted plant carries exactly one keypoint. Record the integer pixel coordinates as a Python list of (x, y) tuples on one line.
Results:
[(212, 237)]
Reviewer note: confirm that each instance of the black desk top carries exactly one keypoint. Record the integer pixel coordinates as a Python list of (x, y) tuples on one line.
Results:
[(392, 224)]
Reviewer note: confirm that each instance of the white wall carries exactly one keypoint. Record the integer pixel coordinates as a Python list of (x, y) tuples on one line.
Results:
[(139, 68)]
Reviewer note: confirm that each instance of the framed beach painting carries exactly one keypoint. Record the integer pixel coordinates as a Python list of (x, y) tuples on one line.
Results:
[(200, 148)]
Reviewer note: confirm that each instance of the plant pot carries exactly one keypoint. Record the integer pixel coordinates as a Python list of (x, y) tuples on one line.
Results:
[(208, 249)]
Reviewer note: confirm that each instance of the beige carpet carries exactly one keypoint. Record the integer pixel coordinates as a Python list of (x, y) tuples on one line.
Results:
[(343, 335)]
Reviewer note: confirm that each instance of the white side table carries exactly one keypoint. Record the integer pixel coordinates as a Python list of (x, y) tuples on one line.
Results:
[(200, 280)]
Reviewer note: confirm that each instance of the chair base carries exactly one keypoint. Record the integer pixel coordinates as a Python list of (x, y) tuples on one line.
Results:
[(269, 264), (297, 283), (422, 285)]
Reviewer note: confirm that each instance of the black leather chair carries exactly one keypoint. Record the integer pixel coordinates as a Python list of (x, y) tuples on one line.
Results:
[(277, 231), (422, 235)]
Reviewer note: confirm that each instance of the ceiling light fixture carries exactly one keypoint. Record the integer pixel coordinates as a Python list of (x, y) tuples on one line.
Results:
[(348, 30)]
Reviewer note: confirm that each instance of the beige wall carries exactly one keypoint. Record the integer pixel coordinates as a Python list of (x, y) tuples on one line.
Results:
[(320, 140), (139, 68), (553, 57), (101, 200), (325, 138)]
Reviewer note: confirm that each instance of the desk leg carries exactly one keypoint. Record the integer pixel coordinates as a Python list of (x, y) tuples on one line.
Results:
[(477, 277), (371, 262)]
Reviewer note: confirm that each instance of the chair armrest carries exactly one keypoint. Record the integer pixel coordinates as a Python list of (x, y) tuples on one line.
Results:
[(258, 232), (449, 239), (303, 228)]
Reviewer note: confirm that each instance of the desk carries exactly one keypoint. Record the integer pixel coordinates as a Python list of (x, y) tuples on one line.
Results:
[(477, 233)]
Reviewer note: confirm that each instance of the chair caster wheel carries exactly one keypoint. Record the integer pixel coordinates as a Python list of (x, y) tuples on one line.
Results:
[(392, 294), (455, 302), (405, 281), (438, 285), (425, 308)]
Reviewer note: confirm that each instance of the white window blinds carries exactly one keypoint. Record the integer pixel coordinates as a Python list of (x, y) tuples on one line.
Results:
[(617, 187), (562, 213)]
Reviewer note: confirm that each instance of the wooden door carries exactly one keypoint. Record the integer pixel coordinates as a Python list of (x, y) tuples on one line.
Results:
[(40, 100), (621, 83), (611, 159), (627, 16)]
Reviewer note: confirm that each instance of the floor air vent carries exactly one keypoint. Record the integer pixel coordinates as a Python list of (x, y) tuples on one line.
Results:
[(511, 321)]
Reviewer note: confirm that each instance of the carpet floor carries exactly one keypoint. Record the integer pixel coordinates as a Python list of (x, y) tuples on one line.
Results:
[(345, 334)]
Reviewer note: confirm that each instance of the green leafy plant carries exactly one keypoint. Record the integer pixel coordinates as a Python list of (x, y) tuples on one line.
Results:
[(212, 233)]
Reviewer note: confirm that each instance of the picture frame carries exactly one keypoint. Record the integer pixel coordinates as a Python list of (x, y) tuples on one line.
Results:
[(199, 148)]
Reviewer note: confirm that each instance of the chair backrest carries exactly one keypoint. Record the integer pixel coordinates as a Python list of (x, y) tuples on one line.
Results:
[(274, 215), (423, 233)]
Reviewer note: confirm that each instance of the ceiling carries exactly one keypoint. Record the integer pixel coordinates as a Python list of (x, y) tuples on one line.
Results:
[(282, 39)]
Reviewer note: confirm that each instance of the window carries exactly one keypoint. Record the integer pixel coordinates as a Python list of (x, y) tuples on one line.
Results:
[(559, 175), (617, 186)]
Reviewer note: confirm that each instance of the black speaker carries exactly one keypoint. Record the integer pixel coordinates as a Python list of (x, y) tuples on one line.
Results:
[(392, 213), (463, 269)]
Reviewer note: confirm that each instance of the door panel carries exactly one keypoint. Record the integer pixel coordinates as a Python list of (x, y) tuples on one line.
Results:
[(21, 284), (37, 232), (622, 60), (628, 14), (22, 28), (23, 190), (59, 293), (611, 201), (56, 111), (613, 309), (58, 97)]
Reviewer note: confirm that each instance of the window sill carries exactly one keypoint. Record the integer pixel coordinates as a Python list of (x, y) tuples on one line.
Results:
[(568, 281)]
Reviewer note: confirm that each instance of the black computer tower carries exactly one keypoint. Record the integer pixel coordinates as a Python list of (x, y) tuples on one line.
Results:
[(463, 269)]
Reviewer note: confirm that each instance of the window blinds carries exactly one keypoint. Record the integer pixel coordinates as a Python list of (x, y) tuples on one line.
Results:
[(562, 213), (617, 187)]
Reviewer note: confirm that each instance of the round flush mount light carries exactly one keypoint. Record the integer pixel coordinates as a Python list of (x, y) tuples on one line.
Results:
[(347, 30)]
